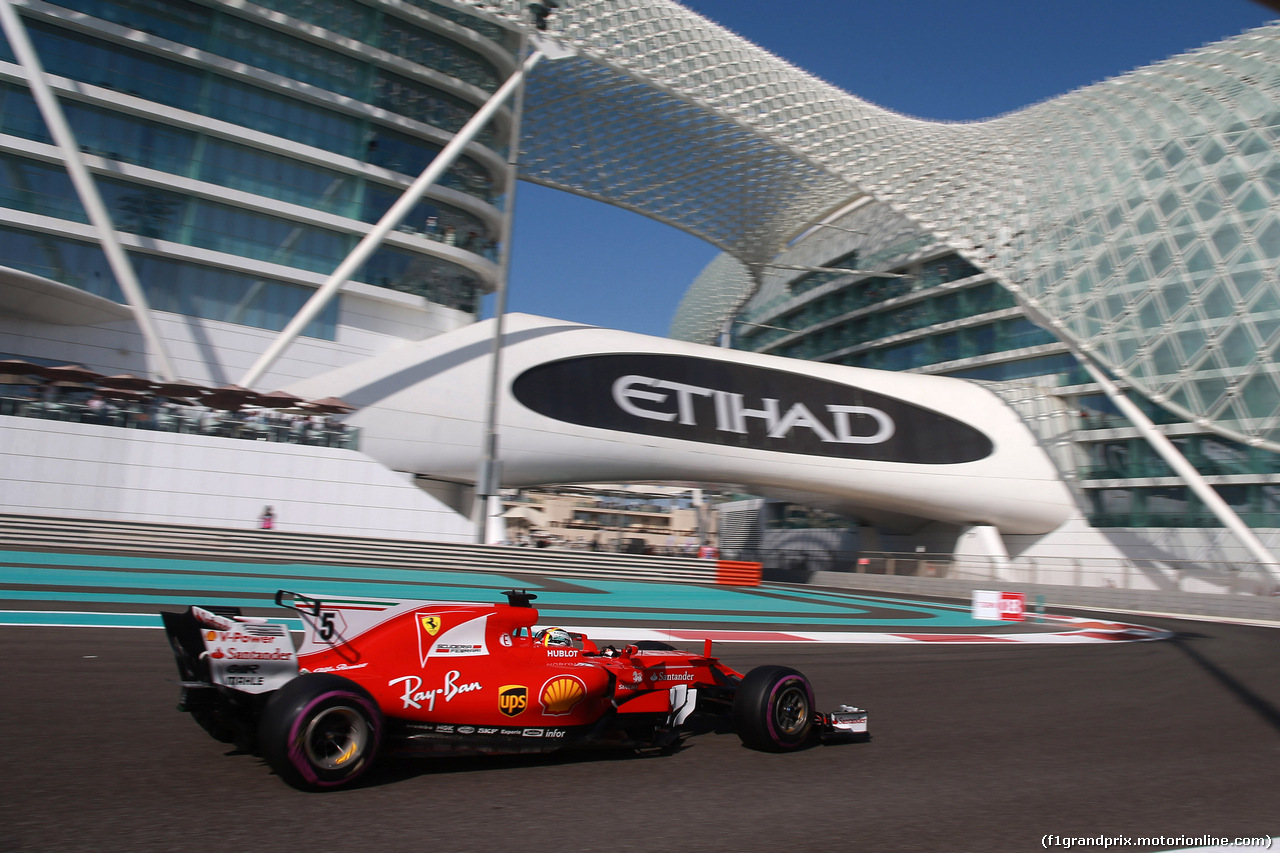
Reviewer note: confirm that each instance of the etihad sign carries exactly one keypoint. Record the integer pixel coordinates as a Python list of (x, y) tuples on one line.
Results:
[(732, 412), (740, 405)]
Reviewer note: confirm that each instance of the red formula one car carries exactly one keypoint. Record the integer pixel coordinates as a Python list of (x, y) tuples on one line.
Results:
[(441, 677)]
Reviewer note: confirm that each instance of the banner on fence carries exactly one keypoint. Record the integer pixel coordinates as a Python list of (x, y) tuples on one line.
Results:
[(999, 606)]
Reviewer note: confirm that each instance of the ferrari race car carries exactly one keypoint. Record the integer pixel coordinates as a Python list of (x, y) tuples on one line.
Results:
[(441, 677)]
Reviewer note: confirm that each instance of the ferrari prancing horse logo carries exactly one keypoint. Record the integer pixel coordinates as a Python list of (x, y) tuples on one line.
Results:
[(430, 624)]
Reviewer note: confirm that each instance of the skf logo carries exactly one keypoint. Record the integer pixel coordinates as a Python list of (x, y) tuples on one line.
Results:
[(513, 699), (430, 624)]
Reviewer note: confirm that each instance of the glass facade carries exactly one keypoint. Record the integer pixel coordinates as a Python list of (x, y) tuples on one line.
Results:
[(128, 138), (235, 38), (45, 189), (365, 81), (1257, 504), (218, 95), (850, 320), (182, 287), (910, 305)]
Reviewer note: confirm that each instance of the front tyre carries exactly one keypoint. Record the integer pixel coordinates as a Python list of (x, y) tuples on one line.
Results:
[(320, 731), (773, 709)]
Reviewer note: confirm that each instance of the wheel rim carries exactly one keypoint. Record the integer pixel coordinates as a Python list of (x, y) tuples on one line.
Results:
[(791, 712), (336, 738)]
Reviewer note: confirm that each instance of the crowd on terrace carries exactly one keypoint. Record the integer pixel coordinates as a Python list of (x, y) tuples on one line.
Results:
[(74, 393)]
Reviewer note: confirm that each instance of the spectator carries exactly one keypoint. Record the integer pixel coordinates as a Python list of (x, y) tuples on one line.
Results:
[(97, 409)]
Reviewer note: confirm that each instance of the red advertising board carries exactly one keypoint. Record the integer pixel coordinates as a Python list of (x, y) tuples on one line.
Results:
[(1013, 606)]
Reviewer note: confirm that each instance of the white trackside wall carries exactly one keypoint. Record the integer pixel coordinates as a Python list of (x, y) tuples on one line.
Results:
[(581, 404), (80, 470)]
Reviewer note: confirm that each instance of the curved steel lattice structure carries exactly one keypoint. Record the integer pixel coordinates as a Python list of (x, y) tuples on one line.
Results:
[(1140, 215)]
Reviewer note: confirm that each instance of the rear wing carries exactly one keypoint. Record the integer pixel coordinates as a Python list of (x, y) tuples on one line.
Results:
[(219, 647)]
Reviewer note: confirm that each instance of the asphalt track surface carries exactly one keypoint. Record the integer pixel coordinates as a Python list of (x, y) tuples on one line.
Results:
[(975, 748)]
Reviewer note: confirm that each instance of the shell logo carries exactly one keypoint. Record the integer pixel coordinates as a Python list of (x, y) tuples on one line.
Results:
[(561, 693)]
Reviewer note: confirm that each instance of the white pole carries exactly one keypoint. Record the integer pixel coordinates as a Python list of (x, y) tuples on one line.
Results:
[(371, 241), (489, 477), (51, 111)]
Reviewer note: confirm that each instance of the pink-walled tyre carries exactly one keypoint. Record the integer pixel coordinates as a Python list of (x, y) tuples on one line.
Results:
[(773, 709), (320, 731)]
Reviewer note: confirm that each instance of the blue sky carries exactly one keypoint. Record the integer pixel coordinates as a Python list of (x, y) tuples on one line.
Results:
[(580, 260)]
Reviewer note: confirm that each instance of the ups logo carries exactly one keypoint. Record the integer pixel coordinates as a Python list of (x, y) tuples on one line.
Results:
[(512, 699)]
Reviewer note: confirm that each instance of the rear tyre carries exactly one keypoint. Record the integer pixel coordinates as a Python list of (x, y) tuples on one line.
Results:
[(320, 731), (773, 709)]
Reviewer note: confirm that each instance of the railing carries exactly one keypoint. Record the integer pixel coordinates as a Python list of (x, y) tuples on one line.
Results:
[(189, 421), (1269, 464), (1189, 576), (183, 542), (1187, 518)]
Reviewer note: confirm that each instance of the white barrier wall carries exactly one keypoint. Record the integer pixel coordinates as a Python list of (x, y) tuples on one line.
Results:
[(86, 470)]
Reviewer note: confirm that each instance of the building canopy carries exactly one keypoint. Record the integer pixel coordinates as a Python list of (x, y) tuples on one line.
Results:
[(1138, 217)]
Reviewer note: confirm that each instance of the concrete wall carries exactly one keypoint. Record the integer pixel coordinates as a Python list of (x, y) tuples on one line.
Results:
[(90, 471)]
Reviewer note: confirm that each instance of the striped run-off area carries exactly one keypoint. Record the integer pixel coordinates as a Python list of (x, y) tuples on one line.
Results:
[(42, 588)]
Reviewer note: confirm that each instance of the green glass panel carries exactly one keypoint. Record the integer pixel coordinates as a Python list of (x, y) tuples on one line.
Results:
[(1210, 151), (1103, 268), (1176, 296), (1184, 396), (1231, 179), (1160, 257), (1252, 202), (1165, 358), (1190, 177), (1260, 395), (1268, 303), (1191, 341), (1271, 180), (1269, 240), (1207, 206), (1225, 240), (1151, 313), (1137, 273), (1253, 146), (1237, 348), (1218, 301), (1246, 282), (1264, 329)]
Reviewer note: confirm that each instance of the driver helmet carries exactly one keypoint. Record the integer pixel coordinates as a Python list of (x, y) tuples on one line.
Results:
[(553, 637)]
